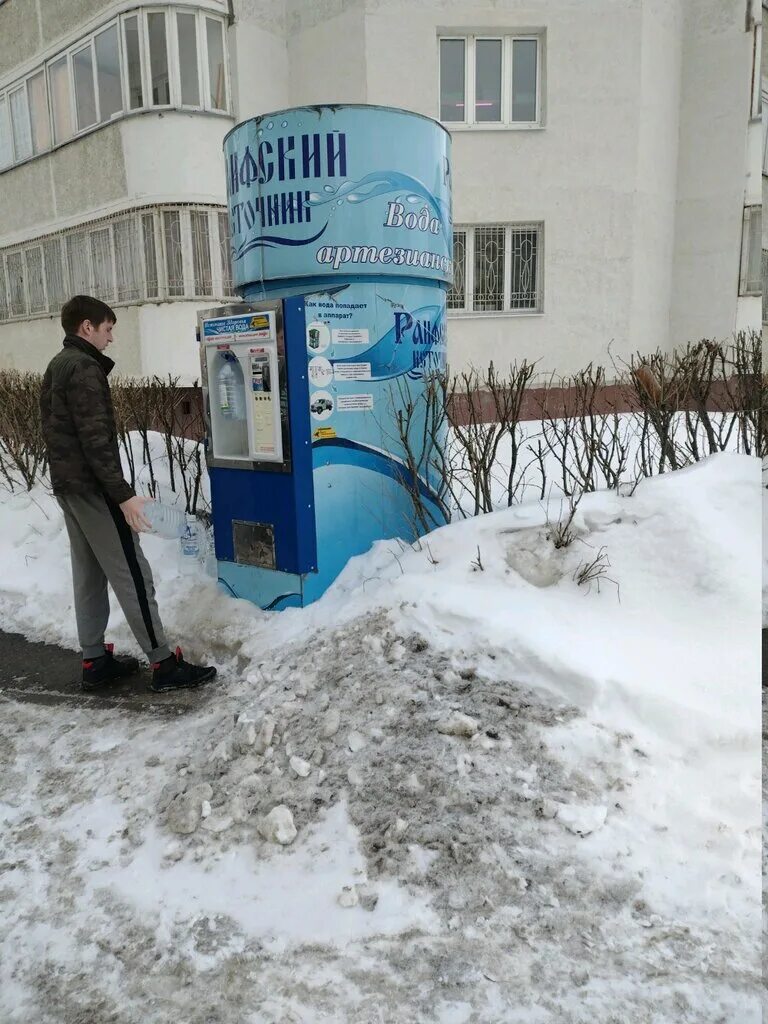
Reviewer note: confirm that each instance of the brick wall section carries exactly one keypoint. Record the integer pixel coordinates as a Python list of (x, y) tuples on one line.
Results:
[(552, 402)]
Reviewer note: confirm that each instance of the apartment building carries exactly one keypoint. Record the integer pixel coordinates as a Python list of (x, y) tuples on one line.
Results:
[(606, 155)]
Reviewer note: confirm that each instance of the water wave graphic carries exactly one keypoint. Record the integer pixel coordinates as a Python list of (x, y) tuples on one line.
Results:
[(271, 241), (379, 183)]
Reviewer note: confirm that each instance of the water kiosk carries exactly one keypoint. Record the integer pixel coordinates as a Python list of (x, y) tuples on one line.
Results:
[(340, 219)]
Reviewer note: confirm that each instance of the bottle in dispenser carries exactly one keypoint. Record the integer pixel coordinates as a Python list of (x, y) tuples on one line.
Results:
[(231, 387)]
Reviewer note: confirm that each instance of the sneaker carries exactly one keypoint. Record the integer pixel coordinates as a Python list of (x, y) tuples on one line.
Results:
[(107, 668), (176, 674)]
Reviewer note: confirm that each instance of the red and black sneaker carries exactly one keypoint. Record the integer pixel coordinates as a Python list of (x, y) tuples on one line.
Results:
[(107, 669), (174, 673)]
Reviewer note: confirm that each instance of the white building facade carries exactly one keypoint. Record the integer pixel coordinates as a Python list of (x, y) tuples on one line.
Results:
[(607, 162)]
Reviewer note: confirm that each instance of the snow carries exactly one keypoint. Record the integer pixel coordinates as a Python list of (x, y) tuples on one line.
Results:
[(588, 850)]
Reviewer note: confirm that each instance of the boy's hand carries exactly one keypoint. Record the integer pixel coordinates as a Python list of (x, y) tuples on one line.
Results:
[(133, 510)]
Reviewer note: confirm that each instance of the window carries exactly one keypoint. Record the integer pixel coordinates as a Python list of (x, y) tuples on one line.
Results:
[(160, 92), (124, 258), (58, 80), (488, 285), (490, 81), (17, 300), (751, 252), (497, 268), (174, 259), (188, 69), (147, 58), (201, 253), (150, 255), (452, 60), (127, 264), (3, 295), (101, 261), (217, 86), (524, 78), (133, 62), (35, 281), (58, 293), (20, 129), (77, 261), (457, 295), (85, 91), (38, 113), (110, 88), (764, 271), (756, 91), (6, 141), (227, 286)]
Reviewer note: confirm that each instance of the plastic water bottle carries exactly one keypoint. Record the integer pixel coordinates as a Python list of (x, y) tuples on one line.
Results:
[(189, 547), (231, 385), (164, 520)]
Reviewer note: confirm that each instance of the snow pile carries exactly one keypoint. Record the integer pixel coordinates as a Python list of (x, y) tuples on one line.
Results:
[(462, 786)]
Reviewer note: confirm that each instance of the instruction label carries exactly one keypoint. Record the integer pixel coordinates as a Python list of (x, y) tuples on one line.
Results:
[(352, 371), (354, 403), (350, 335)]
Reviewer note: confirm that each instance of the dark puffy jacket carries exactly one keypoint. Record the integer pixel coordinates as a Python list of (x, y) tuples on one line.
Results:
[(79, 423)]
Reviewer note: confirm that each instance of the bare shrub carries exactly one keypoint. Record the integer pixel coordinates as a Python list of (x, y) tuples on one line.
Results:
[(22, 448)]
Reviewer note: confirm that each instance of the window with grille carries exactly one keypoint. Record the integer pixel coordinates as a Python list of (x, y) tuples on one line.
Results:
[(750, 281), (497, 268), (79, 264), (4, 312), (201, 253), (174, 57), (764, 269), (151, 254), (127, 262), (55, 278), (225, 246), (457, 296), (487, 80), (17, 300), (174, 256), (35, 281), (101, 255)]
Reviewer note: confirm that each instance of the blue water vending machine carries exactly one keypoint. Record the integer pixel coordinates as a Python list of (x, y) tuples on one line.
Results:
[(341, 234)]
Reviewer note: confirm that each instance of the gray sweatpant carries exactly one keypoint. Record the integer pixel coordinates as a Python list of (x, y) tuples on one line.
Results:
[(105, 549)]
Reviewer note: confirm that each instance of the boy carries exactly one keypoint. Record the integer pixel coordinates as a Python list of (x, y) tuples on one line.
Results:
[(102, 512)]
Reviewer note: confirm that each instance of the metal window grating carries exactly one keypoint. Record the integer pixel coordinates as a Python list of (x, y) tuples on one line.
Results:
[(128, 257)]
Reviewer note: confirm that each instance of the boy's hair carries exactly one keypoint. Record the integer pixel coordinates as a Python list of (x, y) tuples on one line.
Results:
[(84, 307)]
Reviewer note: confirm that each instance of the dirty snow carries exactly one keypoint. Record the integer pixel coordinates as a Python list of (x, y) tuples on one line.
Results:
[(515, 798)]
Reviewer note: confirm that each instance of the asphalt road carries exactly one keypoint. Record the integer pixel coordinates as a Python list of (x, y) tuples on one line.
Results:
[(45, 674)]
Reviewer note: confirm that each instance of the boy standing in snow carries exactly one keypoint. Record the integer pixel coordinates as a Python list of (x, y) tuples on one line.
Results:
[(101, 510)]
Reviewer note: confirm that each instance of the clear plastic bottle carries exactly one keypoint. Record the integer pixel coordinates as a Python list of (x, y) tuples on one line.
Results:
[(165, 521), (189, 547), (231, 387)]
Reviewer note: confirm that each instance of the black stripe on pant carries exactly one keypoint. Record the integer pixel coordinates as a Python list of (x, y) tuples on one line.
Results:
[(126, 539)]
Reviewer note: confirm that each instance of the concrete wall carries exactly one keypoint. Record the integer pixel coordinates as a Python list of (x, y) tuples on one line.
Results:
[(32, 344), (655, 182), (578, 174), (326, 53), (714, 111), (168, 157), (154, 338)]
